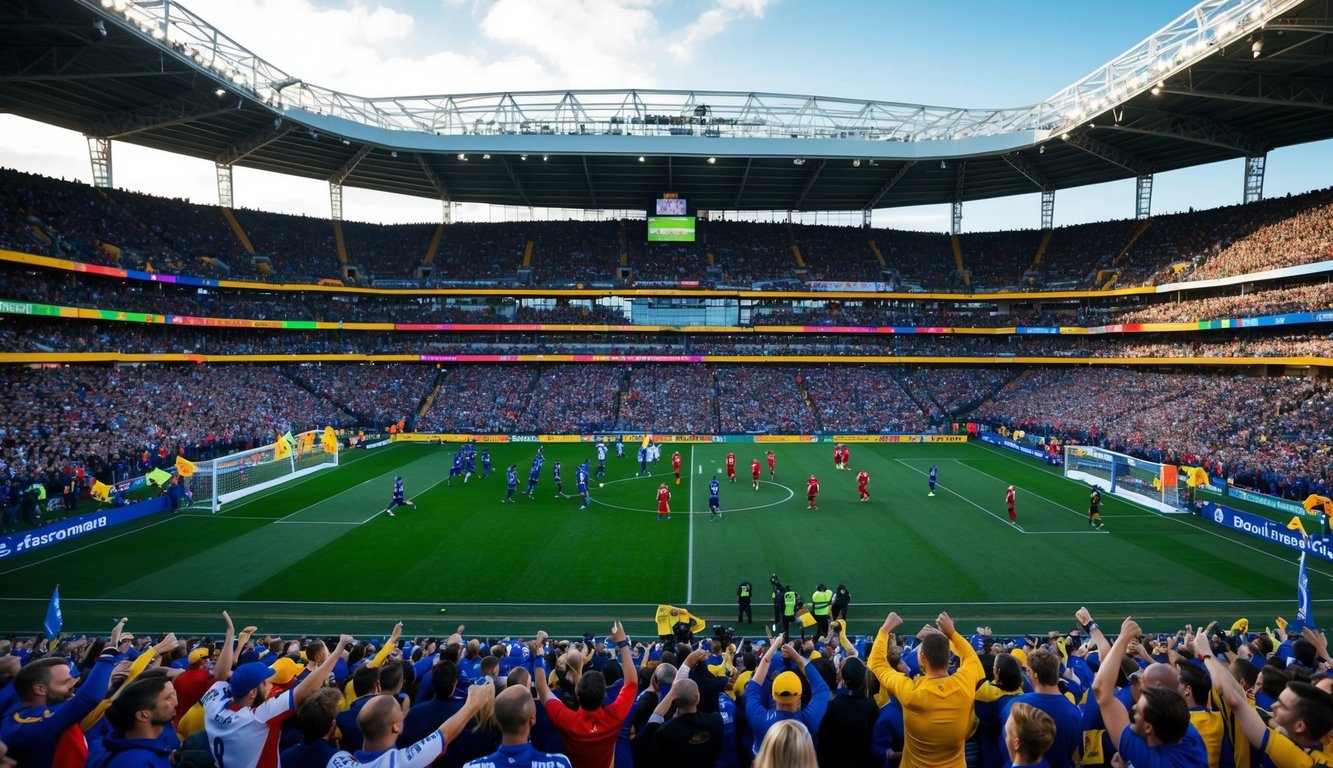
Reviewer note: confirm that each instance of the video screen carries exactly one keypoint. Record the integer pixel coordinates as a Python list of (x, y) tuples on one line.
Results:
[(671, 229), (671, 206)]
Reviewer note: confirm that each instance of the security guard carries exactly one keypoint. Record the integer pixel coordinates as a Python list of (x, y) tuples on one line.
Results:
[(788, 609), (820, 601), (743, 593)]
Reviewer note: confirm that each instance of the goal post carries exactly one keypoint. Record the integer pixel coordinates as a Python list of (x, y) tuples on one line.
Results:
[(237, 475), (1144, 482)]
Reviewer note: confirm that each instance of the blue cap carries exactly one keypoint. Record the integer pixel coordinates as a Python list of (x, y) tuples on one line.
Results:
[(247, 677)]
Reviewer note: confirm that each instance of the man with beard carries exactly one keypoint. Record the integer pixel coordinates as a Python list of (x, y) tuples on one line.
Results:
[(44, 729), (241, 721), (139, 715)]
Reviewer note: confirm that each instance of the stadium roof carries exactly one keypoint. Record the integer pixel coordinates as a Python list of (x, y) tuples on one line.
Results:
[(1227, 79)]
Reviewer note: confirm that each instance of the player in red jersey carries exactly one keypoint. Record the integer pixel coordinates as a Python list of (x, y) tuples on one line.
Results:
[(863, 480), (663, 496), (1009, 500), (754, 473), (675, 465), (837, 455), (811, 491), (731, 467), (772, 460), (847, 458)]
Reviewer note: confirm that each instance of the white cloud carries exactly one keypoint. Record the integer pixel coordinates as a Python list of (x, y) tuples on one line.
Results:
[(714, 22), (586, 43)]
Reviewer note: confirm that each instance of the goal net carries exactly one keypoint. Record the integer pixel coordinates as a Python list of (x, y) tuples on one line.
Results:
[(1148, 483), (235, 476)]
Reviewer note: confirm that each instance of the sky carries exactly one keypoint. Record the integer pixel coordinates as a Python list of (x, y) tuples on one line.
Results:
[(963, 53)]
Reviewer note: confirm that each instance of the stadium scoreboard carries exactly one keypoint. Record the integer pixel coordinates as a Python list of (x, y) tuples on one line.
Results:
[(670, 221)]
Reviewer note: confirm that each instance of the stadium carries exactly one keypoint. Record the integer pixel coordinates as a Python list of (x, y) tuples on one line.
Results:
[(480, 430)]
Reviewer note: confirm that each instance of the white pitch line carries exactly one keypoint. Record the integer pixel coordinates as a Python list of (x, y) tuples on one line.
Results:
[(964, 498), (1177, 518), (87, 546), (689, 562)]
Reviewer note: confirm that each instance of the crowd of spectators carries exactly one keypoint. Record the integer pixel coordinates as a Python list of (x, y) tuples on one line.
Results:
[(377, 395), (951, 391), (131, 229), (1188, 698), (480, 398), (862, 399), (762, 399), (1273, 434), (114, 423), (590, 405), (670, 398)]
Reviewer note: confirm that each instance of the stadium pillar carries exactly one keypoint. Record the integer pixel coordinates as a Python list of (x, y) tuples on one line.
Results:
[(1143, 191), (957, 227), (1254, 177), (1047, 208), (225, 198), (448, 206), (335, 201), (99, 153), (865, 218)]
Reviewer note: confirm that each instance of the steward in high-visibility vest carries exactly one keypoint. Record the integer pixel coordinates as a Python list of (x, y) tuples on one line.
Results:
[(743, 602), (820, 602), (788, 608)]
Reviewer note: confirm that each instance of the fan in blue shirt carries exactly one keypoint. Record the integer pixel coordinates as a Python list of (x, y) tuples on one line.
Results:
[(516, 713)]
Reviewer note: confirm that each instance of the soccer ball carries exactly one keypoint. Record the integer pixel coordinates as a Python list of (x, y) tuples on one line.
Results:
[(601, 485)]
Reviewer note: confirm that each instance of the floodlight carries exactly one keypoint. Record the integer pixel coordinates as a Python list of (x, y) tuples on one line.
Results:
[(712, 160)]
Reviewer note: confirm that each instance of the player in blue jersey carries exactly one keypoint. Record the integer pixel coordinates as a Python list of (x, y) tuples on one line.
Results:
[(643, 460), (559, 483), (485, 463), (714, 498), (469, 462), (620, 446), (398, 499), (601, 459), (511, 481), (581, 475), (934, 475), (457, 469), (534, 475)]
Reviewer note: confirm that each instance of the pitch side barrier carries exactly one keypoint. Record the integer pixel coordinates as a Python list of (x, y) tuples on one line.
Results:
[(79, 525), (637, 438), (1269, 530)]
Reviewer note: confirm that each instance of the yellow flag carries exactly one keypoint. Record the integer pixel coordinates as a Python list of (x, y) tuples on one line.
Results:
[(158, 477), (1296, 525), (1314, 504), (184, 468), (100, 491), (646, 440), (282, 449)]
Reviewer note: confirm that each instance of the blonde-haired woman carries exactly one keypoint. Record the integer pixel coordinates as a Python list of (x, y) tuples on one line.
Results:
[(787, 745)]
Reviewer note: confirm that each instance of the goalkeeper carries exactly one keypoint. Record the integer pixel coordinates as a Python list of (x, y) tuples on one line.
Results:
[(398, 498)]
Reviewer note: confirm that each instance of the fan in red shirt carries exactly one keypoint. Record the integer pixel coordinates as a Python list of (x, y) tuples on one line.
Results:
[(754, 473), (588, 734), (675, 465), (811, 491), (772, 459), (663, 496), (731, 467), (863, 480), (1009, 500)]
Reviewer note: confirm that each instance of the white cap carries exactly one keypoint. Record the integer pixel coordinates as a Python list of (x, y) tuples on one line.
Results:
[(1011, 487)]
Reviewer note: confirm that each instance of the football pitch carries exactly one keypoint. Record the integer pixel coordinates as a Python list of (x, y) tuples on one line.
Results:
[(318, 556)]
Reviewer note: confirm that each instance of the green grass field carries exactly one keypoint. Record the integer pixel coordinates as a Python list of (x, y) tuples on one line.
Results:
[(316, 555)]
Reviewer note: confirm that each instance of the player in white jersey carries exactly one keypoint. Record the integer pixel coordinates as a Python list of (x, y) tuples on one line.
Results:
[(242, 724), (380, 721)]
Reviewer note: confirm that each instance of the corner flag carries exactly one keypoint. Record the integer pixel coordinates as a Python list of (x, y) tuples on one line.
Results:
[(54, 619)]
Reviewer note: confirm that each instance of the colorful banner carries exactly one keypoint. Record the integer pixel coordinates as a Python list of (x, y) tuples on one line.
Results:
[(1269, 530), (1264, 500), (80, 525)]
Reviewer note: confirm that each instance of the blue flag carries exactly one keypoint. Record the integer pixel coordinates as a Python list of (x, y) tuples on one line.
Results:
[(1303, 597), (54, 619)]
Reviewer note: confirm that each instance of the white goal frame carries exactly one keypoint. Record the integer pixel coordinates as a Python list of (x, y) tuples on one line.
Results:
[(1143, 482), (218, 481)]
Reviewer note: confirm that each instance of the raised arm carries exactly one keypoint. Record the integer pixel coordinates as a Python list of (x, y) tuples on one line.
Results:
[(222, 669), (1232, 693), (1114, 713), (761, 672), (539, 667)]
